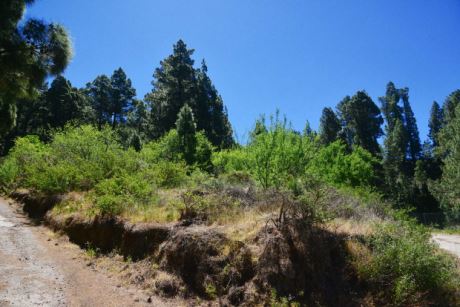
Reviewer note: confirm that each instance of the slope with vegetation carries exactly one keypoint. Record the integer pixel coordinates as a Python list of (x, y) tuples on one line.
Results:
[(290, 218)]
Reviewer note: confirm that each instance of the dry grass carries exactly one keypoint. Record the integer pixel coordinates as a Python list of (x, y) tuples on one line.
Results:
[(352, 227)]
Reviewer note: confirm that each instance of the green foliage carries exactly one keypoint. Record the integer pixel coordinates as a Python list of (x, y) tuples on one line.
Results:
[(336, 166), (177, 83), (279, 155), (329, 127), (112, 196), (30, 51), (407, 266), (361, 121), (446, 188), (186, 132)]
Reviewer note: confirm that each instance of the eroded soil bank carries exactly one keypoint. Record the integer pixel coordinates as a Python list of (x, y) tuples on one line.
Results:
[(201, 265), (38, 268)]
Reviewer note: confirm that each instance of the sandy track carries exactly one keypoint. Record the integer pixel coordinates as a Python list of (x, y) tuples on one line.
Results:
[(37, 269), (450, 243)]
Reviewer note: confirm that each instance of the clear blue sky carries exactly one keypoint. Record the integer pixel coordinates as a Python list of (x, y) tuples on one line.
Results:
[(298, 56)]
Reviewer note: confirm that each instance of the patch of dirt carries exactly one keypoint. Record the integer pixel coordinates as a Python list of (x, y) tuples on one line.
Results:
[(40, 268)]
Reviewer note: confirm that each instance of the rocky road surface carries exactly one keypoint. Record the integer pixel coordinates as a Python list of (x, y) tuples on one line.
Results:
[(36, 269), (450, 243)]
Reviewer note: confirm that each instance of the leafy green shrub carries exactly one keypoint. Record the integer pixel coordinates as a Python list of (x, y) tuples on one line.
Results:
[(338, 167), (231, 160), (407, 266), (112, 196), (22, 162), (168, 174)]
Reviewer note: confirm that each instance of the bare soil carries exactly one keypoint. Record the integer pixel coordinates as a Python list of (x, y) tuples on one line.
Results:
[(39, 268)]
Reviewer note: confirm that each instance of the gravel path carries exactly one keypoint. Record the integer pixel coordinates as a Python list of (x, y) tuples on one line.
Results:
[(450, 243), (37, 269)]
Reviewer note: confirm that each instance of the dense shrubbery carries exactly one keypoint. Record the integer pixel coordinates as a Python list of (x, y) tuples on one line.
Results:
[(407, 266)]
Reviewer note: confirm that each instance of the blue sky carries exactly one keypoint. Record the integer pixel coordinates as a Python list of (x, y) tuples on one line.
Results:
[(295, 55)]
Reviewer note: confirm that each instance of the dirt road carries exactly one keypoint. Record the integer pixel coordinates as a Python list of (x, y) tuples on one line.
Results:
[(450, 243), (37, 269)]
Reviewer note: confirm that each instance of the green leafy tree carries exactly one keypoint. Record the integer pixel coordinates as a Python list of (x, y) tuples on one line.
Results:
[(361, 121), (186, 131), (30, 51), (329, 127)]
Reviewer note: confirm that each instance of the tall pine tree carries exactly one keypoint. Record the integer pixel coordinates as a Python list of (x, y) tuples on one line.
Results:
[(329, 127), (435, 124), (361, 121), (177, 83)]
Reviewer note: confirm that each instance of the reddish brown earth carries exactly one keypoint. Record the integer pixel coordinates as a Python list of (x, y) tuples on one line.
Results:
[(39, 268)]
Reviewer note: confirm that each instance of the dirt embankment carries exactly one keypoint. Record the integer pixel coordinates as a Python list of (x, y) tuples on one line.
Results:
[(298, 262)]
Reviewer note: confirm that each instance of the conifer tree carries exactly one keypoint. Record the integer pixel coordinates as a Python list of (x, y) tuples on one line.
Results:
[(361, 121), (446, 189), (65, 103), (121, 96), (99, 94), (414, 147), (174, 86), (30, 51), (186, 131), (176, 83), (435, 124), (329, 127), (450, 105)]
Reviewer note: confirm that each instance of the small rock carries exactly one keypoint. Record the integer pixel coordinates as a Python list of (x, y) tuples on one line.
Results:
[(48, 239), (149, 300), (136, 299), (56, 244)]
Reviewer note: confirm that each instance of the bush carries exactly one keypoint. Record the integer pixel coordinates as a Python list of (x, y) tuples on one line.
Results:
[(23, 162), (407, 266), (112, 196), (335, 166), (168, 174)]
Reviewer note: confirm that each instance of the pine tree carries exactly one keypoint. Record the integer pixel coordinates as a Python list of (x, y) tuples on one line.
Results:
[(450, 105), (361, 121), (212, 115), (174, 86), (64, 103), (121, 96), (414, 147), (186, 130), (177, 83), (30, 51), (446, 189), (99, 94), (435, 124), (329, 127)]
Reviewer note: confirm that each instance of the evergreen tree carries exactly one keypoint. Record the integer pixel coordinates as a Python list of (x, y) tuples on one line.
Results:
[(121, 96), (414, 147), (174, 86), (186, 131), (212, 115), (65, 103), (29, 52), (99, 93), (446, 189), (450, 105), (177, 83), (329, 127), (435, 124), (361, 121)]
